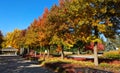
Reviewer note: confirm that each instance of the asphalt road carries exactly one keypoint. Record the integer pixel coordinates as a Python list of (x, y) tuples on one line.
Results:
[(16, 64)]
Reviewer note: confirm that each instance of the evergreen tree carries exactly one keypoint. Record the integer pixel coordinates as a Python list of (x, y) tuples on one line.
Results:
[(1, 39)]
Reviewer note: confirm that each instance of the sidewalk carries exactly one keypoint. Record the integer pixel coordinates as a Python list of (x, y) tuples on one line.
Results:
[(84, 56), (16, 64)]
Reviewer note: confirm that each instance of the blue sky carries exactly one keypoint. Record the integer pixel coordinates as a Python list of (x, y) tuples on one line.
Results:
[(21, 13)]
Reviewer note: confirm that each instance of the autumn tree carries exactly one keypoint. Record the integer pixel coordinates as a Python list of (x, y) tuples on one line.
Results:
[(38, 33), (60, 27), (44, 31), (12, 39), (93, 18), (21, 39), (31, 35)]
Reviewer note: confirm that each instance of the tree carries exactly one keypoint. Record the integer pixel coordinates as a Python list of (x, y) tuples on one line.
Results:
[(1, 39), (93, 18), (38, 33), (80, 46), (22, 38), (12, 39), (109, 45), (113, 43), (31, 35), (58, 21), (116, 41), (44, 31)]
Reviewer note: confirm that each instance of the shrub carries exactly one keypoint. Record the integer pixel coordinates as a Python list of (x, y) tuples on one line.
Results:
[(104, 65), (90, 46), (112, 54)]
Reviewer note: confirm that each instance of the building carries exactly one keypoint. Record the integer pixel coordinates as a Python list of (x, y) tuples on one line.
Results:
[(9, 51)]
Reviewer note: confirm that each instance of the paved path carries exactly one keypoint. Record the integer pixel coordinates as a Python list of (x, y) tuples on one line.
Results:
[(84, 56), (16, 64)]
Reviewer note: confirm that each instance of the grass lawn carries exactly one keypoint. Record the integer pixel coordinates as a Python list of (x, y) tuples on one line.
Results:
[(68, 65)]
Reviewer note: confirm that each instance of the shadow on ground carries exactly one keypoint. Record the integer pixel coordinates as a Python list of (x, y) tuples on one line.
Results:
[(16, 64)]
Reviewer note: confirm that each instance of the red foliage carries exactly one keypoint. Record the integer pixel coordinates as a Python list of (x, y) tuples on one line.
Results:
[(58, 48), (100, 46), (115, 62), (41, 20), (23, 32), (46, 11), (90, 46), (79, 59)]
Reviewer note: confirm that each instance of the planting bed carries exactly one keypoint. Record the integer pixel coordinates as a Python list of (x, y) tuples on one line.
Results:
[(72, 65), (61, 67), (91, 59)]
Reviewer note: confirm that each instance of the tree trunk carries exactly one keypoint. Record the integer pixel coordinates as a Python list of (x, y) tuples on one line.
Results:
[(28, 50), (79, 51), (62, 53), (95, 55), (48, 52), (95, 47), (44, 55)]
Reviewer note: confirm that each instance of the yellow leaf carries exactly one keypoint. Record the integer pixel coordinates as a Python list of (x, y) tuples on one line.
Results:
[(103, 10), (110, 24)]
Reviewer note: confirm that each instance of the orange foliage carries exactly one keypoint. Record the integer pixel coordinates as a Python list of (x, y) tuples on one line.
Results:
[(61, 2), (58, 48)]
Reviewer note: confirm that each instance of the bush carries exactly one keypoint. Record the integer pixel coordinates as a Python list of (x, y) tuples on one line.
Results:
[(104, 65), (112, 54)]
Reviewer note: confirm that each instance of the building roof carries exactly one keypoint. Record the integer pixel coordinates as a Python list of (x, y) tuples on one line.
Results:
[(9, 49)]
